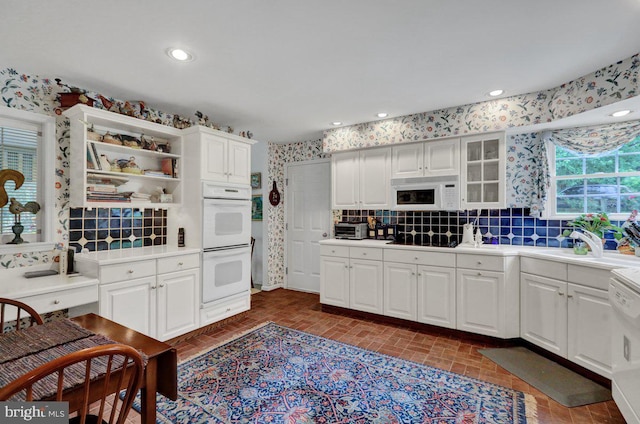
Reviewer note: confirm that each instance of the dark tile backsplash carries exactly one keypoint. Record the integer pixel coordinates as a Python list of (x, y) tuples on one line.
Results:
[(511, 226), (116, 228)]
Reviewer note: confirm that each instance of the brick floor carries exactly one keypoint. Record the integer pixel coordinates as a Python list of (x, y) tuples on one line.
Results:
[(302, 311)]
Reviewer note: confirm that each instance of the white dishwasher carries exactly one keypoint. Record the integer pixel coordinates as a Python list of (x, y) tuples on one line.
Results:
[(624, 295)]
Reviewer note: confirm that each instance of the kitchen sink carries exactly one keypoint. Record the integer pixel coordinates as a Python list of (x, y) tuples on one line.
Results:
[(613, 259)]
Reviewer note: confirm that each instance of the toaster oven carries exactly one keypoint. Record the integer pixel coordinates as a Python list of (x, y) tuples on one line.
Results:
[(350, 230)]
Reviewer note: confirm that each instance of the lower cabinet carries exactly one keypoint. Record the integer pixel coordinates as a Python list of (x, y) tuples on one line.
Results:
[(131, 303), (437, 296), (365, 285), (334, 280), (571, 320), (400, 287), (480, 302), (177, 295)]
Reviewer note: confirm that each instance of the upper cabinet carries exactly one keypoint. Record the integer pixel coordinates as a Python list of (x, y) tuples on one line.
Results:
[(223, 157), (429, 158), (119, 160), (360, 179), (483, 171)]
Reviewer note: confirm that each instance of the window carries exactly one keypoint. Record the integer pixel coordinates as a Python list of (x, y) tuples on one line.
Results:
[(27, 143), (607, 182)]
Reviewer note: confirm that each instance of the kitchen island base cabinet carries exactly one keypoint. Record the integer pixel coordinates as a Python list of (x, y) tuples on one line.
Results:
[(400, 288)]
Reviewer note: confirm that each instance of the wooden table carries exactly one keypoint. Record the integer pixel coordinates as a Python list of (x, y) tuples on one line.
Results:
[(161, 373)]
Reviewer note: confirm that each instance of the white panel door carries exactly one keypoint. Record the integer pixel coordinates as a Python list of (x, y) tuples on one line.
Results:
[(131, 303), (365, 278), (345, 180), (308, 220), (543, 312), (480, 304), (437, 296), (375, 172), (589, 327), (214, 158), (400, 286), (178, 303)]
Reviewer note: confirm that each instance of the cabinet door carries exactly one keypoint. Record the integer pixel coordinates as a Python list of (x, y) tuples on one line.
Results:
[(480, 302), (407, 160), (178, 303), (442, 157), (334, 281), (345, 187), (375, 172), (239, 166), (483, 161), (589, 328), (214, 158), (543, 312), (131, 303), (437, 296), (400, 289), (365, 292)]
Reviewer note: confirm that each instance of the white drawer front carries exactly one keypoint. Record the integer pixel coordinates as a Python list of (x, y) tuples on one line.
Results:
[(550, 269), (127, 271), (365, 253), (428, 258), (481, 262), (597, 278), (225, 309), (328, 250), (178, 263), (49, 302)]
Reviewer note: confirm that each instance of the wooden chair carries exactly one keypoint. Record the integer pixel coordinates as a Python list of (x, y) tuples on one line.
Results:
[(21, 308), (88, 392)]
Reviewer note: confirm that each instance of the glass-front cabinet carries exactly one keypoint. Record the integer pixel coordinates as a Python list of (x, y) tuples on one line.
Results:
[(483, 171)]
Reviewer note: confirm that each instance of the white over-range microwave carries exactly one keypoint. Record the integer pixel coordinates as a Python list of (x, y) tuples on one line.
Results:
[(425, 194)]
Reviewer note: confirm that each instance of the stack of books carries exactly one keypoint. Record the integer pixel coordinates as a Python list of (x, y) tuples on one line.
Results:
[(154, 173), (140, 197)]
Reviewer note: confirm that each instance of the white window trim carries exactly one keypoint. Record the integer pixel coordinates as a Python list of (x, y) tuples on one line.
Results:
[(46, 180), (550, 204)]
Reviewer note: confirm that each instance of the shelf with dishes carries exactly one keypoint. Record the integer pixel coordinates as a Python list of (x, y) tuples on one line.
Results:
[(129, 161)]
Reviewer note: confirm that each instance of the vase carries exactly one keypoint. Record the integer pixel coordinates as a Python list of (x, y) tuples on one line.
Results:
[(580, 248), (17, 229)]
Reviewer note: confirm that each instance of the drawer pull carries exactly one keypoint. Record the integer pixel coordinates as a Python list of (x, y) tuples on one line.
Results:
[(161, 285), (56, 302), (228, 310), (364, 253), (479, 262), (130, 271), (560, 293), (479, 274), (569, 296), (180, 263), (415, 258), (153, 287)]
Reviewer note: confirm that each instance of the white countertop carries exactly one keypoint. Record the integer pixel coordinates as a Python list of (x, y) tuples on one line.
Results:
[(105, 257), (610, 260), (14, 285)]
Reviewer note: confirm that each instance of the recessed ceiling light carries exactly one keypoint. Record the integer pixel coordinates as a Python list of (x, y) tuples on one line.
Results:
[(336, 123), (620, 113), (180, 55), (495, 93), (382, 115)]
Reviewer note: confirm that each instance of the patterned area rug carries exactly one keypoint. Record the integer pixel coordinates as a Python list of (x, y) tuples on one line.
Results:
[(274, 374)]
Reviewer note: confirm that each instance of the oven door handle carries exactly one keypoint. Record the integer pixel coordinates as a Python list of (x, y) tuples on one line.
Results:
[(226, 252)]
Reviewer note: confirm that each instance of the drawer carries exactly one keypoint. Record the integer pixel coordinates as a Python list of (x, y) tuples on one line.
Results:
[(329, 250), (225, 309), (597, 278), (365, 253), (481, 262), (550, 269), (428, 258), (178, 263), (127, 271), (49, 302)]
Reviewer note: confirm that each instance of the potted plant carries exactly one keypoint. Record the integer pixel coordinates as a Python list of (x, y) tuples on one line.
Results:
[(597, 223)]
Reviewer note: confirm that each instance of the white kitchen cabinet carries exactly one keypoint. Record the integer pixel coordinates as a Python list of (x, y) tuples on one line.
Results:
[(543, 312), (429, 158), (131, 303), (483, 176), (218, 156), (178, 296), (569, 319), (487, 295), (86, 168), (349, 281), (400, 288), (360, 179), (437, 296)]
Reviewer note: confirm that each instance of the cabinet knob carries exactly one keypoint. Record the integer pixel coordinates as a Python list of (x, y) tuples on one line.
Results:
[(161, 285), (419, 274), (180, 263), (350, 266), (479, 274), (228, 309), (346, 266), (413, 273), (333, 251), (153, 287), (364, 253), (130, 271), (479, 262), (569, 296), (560, 293), (415, 259), (56, 302)]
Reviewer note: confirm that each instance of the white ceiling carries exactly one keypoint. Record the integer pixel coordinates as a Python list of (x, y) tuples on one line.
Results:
[(285, 69)]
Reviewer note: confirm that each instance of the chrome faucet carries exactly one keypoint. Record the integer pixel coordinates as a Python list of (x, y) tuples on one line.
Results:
[(594, 242)]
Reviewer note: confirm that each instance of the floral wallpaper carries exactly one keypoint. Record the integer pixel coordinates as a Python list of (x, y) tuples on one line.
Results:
[(279, 155), (525, 181), (605, 86)]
